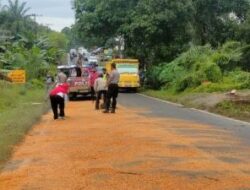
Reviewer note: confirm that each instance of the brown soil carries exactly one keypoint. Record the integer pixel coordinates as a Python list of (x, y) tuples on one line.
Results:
[(91, 150)]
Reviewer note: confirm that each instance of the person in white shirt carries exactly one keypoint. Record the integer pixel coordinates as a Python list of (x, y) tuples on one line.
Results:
[(100, 87)]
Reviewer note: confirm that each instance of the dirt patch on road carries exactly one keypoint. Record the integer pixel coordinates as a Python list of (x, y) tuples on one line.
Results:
[(92, 150)]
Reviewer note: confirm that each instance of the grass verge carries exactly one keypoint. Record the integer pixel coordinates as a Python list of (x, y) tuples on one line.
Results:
[(213, 102), (233, 109), (20, 107)]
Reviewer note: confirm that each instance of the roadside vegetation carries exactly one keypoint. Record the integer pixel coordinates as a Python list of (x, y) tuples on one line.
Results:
[(190, 49), (20, 107), (24, 44)]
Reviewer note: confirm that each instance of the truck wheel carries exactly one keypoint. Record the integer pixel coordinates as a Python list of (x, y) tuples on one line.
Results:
[(72, 96)]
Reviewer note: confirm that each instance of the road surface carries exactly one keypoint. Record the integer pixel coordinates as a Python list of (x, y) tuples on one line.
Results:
[(147, 145)]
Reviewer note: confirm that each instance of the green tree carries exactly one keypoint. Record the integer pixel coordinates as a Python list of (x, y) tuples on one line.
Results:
[(16, 15), (216, 21), (158, 30), (150, 29), (98, 21)]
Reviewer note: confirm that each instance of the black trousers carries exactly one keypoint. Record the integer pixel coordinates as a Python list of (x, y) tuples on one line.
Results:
[(112, 93), (57, 101), (92, 93), (99, 95)]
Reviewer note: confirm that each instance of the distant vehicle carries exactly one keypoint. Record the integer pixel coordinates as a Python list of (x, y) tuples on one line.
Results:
[(92, 60), (82, 51), (78, 80), (129, 72)]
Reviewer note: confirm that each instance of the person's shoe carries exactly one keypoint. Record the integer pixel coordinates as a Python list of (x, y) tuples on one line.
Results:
[(97, 108), (113, 111), (62, 118), (105, 111)]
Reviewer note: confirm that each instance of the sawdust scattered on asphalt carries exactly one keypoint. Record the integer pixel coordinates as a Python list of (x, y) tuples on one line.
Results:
[(91, 150)]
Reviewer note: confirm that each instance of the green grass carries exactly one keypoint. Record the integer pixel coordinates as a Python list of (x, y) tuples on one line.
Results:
[(162, 94), (238, 110), (233, 109), (171, 95), (18, 113)]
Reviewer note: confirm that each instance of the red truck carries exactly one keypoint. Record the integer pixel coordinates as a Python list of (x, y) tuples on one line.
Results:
[(78, 79)]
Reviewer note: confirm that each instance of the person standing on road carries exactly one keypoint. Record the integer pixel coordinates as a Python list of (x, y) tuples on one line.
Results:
[(113, 81), (61, 78), (100, 88), (105, 74), (92, 77), (57, 98)]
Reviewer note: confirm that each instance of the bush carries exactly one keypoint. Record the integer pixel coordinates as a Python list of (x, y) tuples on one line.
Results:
[(212, 72), (189, 81), (202, 63), (37, 83), (152, 77)]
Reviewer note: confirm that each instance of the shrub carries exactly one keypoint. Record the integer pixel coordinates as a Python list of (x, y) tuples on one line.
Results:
[(37, 83), (189, 81), (152, 77), (212, 72)]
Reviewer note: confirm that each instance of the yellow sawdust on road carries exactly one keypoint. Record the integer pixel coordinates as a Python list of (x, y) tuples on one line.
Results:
[(91, 150)]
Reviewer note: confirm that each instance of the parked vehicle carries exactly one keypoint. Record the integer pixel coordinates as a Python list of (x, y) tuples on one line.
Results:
[(129, 72), (78, 80)]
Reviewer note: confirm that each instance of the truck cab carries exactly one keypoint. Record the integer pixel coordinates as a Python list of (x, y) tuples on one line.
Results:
[(129, 72)]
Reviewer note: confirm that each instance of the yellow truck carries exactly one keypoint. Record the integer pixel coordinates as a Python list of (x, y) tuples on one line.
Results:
[(129, 72)]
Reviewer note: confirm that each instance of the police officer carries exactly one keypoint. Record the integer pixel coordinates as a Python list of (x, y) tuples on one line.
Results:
[(113, 80)]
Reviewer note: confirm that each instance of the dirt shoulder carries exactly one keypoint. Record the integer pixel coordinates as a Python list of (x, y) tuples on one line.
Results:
[(92, 150), (231, 105)]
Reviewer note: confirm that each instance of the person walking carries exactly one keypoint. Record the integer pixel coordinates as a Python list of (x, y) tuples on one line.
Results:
[(100, 88), (113, 81), (57, 98)]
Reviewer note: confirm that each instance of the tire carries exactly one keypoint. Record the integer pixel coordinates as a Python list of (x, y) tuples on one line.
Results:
[(72, 96)]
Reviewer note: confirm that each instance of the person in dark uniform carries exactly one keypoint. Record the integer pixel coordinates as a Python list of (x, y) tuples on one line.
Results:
[(112, 93)]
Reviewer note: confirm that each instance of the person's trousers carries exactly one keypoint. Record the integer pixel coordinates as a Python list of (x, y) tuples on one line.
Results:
[(99, 95), (57, 101), (112, 94), (92, 93)]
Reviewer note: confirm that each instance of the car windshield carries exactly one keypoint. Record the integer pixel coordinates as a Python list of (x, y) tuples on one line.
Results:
[(127, 68)]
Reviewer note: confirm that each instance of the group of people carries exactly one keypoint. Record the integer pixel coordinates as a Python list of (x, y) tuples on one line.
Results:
[(103, 85)]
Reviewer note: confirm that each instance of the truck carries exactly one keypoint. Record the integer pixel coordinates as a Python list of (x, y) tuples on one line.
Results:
[(77, 79), (129, 72)]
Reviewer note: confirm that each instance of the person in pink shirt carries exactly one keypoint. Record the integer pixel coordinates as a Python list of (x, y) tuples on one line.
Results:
[(57, 97), (92, 77)]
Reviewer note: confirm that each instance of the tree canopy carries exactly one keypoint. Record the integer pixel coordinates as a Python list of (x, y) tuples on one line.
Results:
[(160, 30)]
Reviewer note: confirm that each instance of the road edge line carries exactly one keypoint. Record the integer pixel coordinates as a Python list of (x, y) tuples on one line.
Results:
[(195, 109), (160, 100), (221, 116)]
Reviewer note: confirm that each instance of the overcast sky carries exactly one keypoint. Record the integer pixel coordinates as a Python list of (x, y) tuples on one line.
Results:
[(56, 14)]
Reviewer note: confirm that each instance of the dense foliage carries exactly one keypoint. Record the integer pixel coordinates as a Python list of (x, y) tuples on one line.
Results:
[(183, 44), (157, 31), (27, 44), (204, 66)]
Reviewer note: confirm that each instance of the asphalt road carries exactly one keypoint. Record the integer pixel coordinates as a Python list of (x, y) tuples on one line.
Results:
[(163, 109), (167, 147)]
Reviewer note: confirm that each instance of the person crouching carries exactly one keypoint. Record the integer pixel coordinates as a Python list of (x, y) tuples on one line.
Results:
[(57, 97), (100, 87)]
